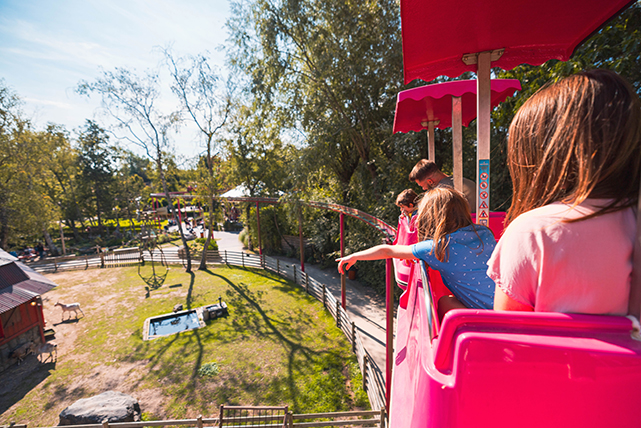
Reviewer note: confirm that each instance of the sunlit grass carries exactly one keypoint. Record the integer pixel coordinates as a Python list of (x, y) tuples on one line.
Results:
[(278, 346)]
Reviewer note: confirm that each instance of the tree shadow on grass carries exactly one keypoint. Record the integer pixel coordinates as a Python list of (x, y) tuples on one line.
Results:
[(18, 381), (264, 325)]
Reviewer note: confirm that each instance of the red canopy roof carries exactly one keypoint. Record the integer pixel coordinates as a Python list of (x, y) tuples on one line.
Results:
[(437, 33), (434, 102)]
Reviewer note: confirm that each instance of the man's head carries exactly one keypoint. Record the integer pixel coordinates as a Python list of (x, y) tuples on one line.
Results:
[(426, 174), (406, 201)]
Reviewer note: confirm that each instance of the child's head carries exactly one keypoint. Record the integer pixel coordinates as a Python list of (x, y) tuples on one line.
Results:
[(441, 211), (406, 201), (575, 139)]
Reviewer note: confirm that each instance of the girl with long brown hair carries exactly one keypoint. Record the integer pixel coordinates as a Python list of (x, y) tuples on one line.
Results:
[(449, 242), (574, 154)]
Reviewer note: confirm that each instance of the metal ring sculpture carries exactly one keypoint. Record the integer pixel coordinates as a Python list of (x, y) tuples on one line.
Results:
[(149, 246)]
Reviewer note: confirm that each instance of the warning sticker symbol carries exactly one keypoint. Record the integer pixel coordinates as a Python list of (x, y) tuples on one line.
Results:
[(484, 176), (483, 205), (483, 214), (483, 195), (483, 185)]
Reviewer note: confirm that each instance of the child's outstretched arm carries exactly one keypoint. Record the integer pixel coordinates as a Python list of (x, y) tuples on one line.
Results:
[(379, 252)]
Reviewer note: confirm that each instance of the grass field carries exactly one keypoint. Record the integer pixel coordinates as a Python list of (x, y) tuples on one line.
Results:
[(278, 346)]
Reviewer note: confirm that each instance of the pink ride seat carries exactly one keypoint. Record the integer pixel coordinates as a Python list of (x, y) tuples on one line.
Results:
[(508, 369)]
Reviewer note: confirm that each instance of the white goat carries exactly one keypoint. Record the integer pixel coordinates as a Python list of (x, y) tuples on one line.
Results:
[(47, 348), (75, 307), (21, 353)]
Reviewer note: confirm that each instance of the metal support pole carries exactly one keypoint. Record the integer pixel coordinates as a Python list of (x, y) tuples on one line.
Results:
[(300, 239), (324, 296), (307, 282), (278, 266), (338, 314), (431, 151), (260, 245), (180, 219), (342, 227), (294, 270), (457, 143), (389, 344), (483, 108)]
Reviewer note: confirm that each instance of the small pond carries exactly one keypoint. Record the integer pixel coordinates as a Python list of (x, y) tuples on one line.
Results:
[(167, 324)]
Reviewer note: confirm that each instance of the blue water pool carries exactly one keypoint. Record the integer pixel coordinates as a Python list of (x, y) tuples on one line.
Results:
[(170, 324)]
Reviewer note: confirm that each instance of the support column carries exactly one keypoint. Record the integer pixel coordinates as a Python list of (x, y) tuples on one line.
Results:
[(389, 342), (342, 227), (300, 239), (457, 143), (260, 245), (431, 151), (180, 220), (483, 108)]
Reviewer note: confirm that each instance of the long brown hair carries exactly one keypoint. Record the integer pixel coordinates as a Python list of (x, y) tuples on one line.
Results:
[(441, 211), (575, 139)]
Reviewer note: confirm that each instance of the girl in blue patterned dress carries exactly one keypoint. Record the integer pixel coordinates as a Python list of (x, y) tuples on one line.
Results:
[(448, 242)]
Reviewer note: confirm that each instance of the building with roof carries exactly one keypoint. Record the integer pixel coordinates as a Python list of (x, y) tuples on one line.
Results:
[(21, 316)]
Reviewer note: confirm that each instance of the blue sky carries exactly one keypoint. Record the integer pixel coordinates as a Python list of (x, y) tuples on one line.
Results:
[(48, 46)]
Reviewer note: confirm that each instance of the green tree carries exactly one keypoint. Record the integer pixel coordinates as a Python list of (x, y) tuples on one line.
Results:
[(97, 169), (133, 101), (208, 105)]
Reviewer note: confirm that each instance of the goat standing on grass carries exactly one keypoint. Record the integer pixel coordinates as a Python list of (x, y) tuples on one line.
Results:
[(75, 307), (47, 348)]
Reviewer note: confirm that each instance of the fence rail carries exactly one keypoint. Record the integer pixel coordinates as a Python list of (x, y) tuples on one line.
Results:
[(373, 381), (367, 418)]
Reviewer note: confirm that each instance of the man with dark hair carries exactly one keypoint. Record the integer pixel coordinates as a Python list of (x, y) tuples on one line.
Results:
[(427, 175)]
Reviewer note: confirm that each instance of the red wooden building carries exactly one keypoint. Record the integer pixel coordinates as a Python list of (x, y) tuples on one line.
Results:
[(21, 317)]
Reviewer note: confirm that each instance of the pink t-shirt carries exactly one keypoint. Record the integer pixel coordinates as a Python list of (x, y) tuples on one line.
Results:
[(581, 267)]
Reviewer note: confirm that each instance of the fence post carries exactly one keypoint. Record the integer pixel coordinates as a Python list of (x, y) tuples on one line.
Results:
[(382, 417), (55, 266), (242, 256), (226, 257), (290, 419), (294, 269), (365, 372), (262, 261), (105, 423), (324, 296), (102, 259), (220, 419), (338, 313), (278, 266), (199, 421), (307, 282), (353, 337), (86, 262)]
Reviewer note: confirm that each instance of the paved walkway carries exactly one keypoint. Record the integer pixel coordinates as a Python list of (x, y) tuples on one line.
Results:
[(364, 306)]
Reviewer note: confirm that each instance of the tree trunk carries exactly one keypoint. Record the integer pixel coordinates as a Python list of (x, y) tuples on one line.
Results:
[(210, 235), (173, 211), (52, 247), (72, 224)]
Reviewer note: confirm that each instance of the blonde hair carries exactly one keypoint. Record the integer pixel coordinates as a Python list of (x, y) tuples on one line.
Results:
[(442, 211), (575, 139)]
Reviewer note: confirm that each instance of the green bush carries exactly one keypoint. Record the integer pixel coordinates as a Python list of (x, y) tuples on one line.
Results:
[(209, 369)]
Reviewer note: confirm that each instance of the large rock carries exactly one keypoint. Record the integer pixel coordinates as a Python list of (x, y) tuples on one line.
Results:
[(111, 405)]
